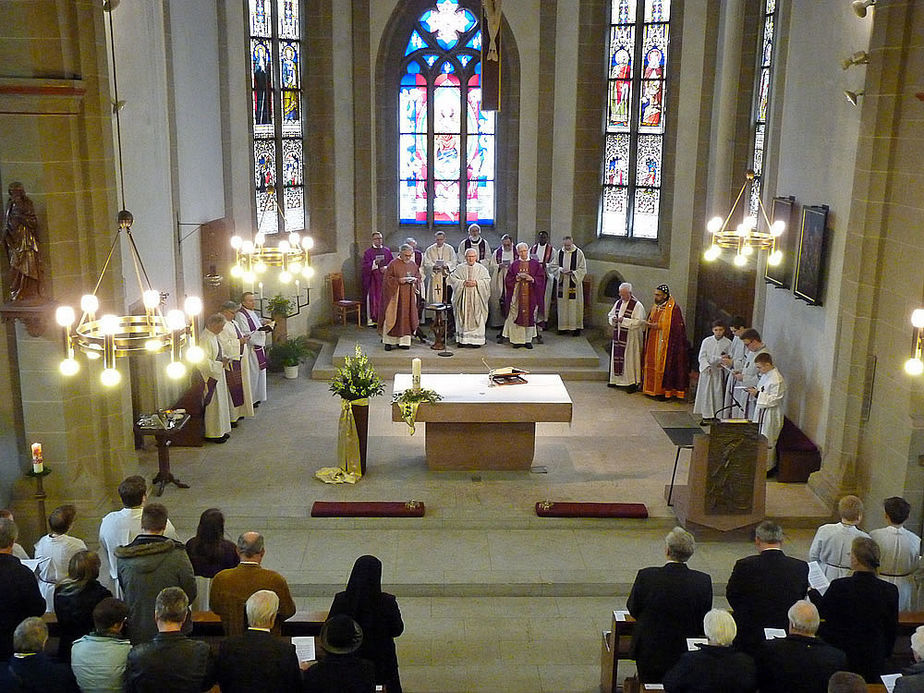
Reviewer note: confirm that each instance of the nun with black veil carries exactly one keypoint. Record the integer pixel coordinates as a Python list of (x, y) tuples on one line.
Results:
[(377, 614)]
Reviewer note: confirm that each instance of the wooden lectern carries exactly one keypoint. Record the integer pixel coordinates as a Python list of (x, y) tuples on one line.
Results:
[(726, 488)]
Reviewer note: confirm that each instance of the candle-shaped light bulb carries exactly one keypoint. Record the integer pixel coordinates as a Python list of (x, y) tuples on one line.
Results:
[(415, 373)]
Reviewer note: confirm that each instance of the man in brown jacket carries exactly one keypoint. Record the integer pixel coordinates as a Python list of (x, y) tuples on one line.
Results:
[(231, 588)]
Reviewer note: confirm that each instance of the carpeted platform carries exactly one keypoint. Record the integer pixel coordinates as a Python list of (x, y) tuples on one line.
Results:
[(631, 510), (367, 509)]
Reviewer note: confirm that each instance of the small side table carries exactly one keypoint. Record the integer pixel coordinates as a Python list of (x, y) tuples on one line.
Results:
[(164, 438), (439, 327)]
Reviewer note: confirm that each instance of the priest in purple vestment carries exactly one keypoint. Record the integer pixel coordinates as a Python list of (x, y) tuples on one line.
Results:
[(375, 262), (525, 286)]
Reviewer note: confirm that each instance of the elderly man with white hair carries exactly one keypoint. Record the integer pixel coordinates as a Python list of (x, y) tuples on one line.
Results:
[(474, 240), (912, 678), (525, 291), (716, 666), (471, 289), (30, 669), (629, 320), (800, 662)]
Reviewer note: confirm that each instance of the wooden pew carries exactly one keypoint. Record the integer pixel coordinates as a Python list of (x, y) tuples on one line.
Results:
[(616, 641)]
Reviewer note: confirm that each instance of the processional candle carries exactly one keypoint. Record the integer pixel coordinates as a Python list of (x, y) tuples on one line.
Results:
[(415, 373)]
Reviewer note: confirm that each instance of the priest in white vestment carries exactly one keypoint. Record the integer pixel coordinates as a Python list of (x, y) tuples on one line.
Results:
[(544, 253), (569, 274), (234, 346), (497, 306), (770, 391), (215, 393), (438, 261), (749, 376), (255, 327), (831, 545), (710, 392), (471, 289), (900, 551), (629, 321), (733, 363)]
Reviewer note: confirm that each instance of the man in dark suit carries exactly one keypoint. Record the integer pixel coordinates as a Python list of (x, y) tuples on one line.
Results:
[(800, 662), (860, 612), (669, 603), (258, 661), (763, 587), (20, 595), (30, 669)]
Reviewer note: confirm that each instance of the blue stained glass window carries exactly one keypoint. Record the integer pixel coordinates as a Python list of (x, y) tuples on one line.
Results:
[(637, 63), (276, 84), (446, 143)]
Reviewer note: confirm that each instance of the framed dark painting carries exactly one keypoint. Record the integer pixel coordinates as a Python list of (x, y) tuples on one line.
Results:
[(782, 209), (809, 282)]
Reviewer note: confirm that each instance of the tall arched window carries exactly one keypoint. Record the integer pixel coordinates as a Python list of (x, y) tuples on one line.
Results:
[(278, 164), (762, 102), (446, 143), (635, 118)]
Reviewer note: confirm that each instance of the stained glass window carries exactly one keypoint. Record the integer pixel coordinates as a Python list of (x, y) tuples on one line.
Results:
[(446, 143), (633, 147), (766, 40), (276, 69)]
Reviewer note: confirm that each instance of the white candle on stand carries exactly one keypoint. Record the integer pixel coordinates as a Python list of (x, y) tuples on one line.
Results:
[(37, 461), (415, 373)]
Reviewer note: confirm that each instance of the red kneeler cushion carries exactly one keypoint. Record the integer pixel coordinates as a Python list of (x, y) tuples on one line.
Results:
[(367, 509), (552, 509)]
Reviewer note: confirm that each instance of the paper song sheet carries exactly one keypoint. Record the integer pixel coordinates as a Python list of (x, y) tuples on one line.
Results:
[(888, 680), (771, 633), (304, 648), (817, 578), (694, 643)]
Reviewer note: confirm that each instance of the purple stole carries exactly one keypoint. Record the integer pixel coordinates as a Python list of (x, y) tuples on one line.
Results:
[(258, 350), (235, 376), (620, 337), (572, 290), (481, 246)]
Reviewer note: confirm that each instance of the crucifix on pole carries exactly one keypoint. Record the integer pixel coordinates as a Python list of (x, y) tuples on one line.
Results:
[(490, 54)]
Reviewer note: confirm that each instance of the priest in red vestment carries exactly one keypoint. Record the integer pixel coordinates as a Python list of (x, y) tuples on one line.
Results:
[(666, 371), (401, 287)]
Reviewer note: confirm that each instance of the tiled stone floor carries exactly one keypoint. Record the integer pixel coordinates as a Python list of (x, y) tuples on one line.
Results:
[(493, 598)]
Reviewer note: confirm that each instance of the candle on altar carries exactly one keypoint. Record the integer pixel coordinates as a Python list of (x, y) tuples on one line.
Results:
[(415, 373), (37, 461), (260, 285)]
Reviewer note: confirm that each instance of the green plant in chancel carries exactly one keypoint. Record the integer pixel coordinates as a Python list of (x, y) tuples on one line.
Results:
[(279, 305), (291, 352), (356, 378)]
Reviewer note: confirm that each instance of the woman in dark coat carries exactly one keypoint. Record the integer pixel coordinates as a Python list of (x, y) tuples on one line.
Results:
[(209, 551), (377, 614), (859, 614), (75, 598)]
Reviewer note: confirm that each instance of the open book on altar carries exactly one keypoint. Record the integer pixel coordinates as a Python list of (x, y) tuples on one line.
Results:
[(508, 375)]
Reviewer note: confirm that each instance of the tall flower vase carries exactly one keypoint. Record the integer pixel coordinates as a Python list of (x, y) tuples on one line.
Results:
[(352, 434), (361, 417)]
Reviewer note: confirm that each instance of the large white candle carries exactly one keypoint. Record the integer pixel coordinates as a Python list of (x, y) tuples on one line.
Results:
[(415, 373), (37, 461)]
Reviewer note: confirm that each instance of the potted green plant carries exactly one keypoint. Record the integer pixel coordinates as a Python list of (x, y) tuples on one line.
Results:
[(290, 354), (279, 308), (355, 382)]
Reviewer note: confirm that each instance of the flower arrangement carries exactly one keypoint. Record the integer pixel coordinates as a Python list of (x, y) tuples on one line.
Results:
[(356, 378), (409, 400)]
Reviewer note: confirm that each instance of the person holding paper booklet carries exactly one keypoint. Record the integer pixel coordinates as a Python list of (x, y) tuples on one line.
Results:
[(341, 670), (831, 546), (749, 375), (912, 678), (438, 261), (710, 391), (800, 662), (471, 289), (375, 261), (769, 391), (257, 661), (254, 328), (763, 587), (860, 613)]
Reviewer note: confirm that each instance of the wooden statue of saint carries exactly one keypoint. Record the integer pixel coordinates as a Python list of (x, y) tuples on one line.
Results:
[(19, 235)]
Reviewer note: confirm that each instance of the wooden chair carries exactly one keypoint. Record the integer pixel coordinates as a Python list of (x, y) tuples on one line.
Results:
[(342, 307)]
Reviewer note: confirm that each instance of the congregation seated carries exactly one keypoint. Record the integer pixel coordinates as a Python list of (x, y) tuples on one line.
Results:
[(912, 678), (342, 670), (257, 661), (846, 682), (860, 613), (171, 661), (669, 603), (75, 598), (20, 594), (715, 666), (232, 587), (99, 658), (18, 550), (56, 548), (30, 669), (800, 662)]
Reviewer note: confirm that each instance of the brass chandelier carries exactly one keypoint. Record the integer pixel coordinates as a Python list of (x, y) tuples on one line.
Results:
[(747, 236), (109, 336)]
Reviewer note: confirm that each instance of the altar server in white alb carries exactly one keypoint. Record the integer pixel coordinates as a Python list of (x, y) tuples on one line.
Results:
[(215, 393), (471, 289), (831, 545), (438, 261), (629, 321), (770, 391), (497, 306), (569, 277), (900, 550), (749, 375), (710, 392), (237, 375), (255, 327), (733, 363)]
